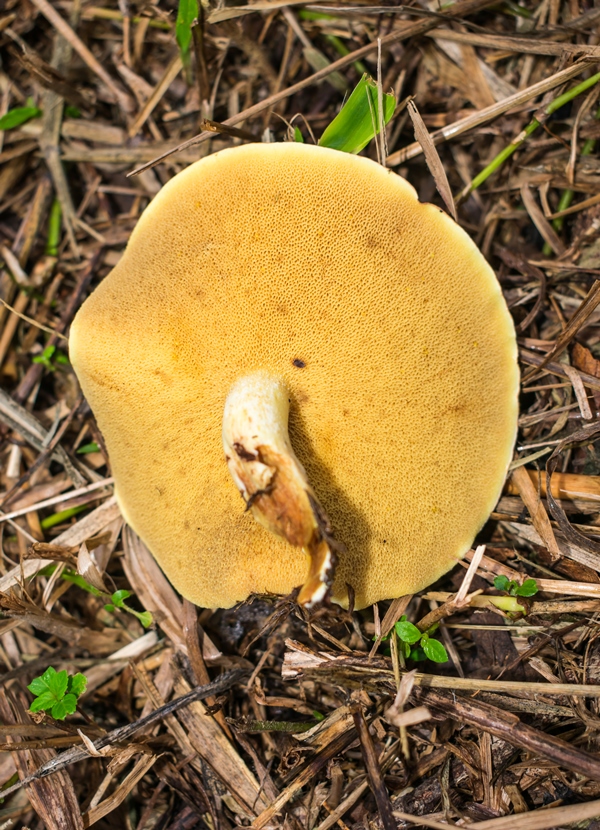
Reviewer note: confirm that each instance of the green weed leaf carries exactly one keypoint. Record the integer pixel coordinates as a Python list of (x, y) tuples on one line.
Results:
[(527, 589), (87, 448), (17, 116), (119, 597), (186, 14), (418, 655), (501, 583), (45, 701), (358, 120), (408, 632), (77, 684), (57, 692), (434, 650)]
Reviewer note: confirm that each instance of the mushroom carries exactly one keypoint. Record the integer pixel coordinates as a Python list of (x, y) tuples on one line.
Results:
[(283, 281)]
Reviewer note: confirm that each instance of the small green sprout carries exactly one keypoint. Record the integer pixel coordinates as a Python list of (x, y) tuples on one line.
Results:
[(19, 115), (187, 13), (54, 229), (46, 357), (358, 120), (428, 647), (513, 589), (57, 691), (88, 448), (117, 600)]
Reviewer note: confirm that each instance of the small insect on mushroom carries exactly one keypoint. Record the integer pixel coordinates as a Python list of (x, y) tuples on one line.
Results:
[(347, 346)]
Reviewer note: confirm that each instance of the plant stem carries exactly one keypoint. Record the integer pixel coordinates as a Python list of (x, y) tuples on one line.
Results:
[(507, 152), (567, 195)]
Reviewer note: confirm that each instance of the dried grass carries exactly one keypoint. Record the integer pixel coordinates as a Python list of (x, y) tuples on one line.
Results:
[(262, 715)]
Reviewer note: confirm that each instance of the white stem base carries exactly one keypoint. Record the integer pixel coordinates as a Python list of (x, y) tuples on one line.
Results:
[(270, 478)]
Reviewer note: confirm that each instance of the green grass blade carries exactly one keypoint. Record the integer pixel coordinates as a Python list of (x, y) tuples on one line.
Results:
[(19, 115), (358, 120), (187, 12)]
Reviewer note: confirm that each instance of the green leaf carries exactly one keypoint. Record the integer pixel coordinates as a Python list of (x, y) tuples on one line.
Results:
[(119, 597), (527, 589), (54, 228), (70, 704), (87, 448), (298, 135), (45, 701), (435, 650), (62, 515), (19, 115), (110, 608), (59, 683), (501, 583), (72, 112), (51, 690), (405, 648), (59, 710), (408, 632), (186, 14), (38, 686), (77, 684), (358, 120), (418, 655), (145, 617)]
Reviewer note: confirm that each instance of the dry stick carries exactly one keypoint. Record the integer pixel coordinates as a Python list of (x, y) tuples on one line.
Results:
[(508, 727), (385, 760), (333, 748), (170, 73), (586, 203), (519, 263), (217, 127), (61, 25), (477, 119), (33, 322), (63, 497), (577, 321), (46, 453), (586, 435), (392, 615), (540, 118), (540, 819), (528, 46), (537, 511), (432, 159), (35, 371), (458, 9), (384, 805), (547, 232), (460, 600), (123, 733), (532, 359)]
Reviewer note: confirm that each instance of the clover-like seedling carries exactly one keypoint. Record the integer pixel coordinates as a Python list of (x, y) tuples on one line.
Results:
[(57, 691), (527, 589), (428, 648), (117, 600), (19, 115), (45, 358)]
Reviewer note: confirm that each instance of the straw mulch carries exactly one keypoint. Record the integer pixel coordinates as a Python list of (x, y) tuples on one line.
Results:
[(306, 721)]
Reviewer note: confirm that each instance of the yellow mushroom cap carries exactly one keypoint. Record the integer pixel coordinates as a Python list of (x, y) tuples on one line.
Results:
[(379, 314)]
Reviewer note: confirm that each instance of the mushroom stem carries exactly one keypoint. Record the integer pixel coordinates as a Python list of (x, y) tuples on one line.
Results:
[(272, 481)]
